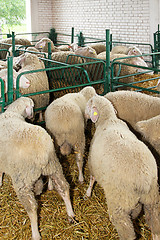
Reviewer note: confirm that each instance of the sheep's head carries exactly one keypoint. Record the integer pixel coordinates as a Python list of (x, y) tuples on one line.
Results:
[(73, 47), (134, 51), (43, 44), (23, 106), (88, 92)]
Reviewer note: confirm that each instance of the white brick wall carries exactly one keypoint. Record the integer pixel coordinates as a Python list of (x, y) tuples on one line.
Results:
[(128, 20)]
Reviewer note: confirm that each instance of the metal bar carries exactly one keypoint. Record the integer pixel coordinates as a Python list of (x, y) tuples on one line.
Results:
[(10, 79), (107, 85), (2, 98), (13, 44), (72, 37)]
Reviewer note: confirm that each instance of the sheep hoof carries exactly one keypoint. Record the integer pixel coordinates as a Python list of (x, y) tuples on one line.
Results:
[(85, 197), (81, 180), (71, 219)]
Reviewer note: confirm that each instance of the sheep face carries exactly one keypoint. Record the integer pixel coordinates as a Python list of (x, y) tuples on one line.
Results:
[(134, 51), (41, 43)]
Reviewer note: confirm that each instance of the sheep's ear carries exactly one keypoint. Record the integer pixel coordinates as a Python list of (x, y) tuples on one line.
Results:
[(21, 60), (29, 112), (94, 114), (42, 44)]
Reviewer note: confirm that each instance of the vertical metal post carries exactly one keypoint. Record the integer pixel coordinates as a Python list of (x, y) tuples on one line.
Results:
[(49, 50), (80, 39), (10, 79), (2, 99), (110, 42), (72, 38), (13, 44), (107, 85)]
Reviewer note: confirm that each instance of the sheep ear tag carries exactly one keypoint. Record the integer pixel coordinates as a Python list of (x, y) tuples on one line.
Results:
[(94, 114)]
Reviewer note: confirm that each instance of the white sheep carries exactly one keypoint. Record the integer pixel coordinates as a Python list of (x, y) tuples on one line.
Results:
[(127, 70), (64, 119), (23, 83), (133, 50), (125, 168), (6, 44), (86, 52), (27, 153), (42, 45), (38, 80), (98, 47), (150, 130), (133, 107), (121, 51)]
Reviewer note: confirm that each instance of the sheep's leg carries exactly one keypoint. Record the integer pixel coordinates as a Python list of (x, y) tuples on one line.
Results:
[(40, 117), (89, 190), (28, 200), (152, 216), (123, 224), (62, 188), (38, 187), (50, 184), (135, 212), (79, 160), (1, 178)]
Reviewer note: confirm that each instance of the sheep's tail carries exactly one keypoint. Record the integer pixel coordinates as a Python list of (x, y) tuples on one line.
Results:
[(65, 148)]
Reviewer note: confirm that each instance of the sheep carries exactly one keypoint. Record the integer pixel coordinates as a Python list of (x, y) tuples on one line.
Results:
[(61, 56), (38, 80), (133, 50), (63, 47), (98, 47), (86, 52), (26, 153), (43, 45), (133, 107), (127, 70), (120, 51), (23, 83), (73, 47), (6, 44), (150, 130), (125, 168), (102, 55), (68, 112)]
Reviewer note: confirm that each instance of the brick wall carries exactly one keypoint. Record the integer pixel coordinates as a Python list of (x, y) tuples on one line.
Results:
[(128, 20), (45, 14)]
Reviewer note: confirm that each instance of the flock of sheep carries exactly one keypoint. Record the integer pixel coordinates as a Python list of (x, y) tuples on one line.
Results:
[(119, 157)]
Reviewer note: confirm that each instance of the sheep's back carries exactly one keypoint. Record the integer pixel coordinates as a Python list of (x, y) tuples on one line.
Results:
[(24, 149), (65, 122), (133, 106), (119, 160)]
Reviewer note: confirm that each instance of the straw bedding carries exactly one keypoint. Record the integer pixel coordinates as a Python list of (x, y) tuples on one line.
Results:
[(148, 84), (92, 221)]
